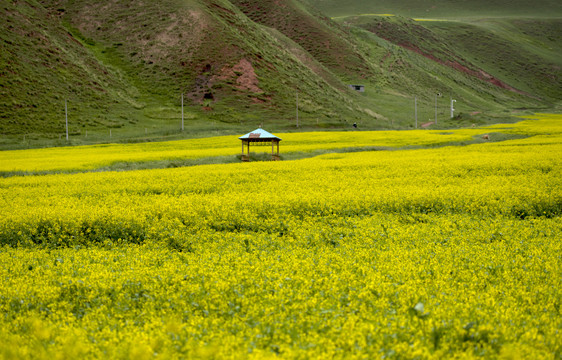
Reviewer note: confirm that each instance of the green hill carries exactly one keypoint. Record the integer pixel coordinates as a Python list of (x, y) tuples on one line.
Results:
[(123, 67), (42, 64), (320, 37), (505, 53), (126, 64), (442, 8)]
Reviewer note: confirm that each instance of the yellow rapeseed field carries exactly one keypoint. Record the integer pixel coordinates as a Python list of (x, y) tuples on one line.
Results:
[(80, 158), (450, 252)]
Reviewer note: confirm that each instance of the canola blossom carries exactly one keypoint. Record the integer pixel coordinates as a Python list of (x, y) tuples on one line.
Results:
[(452, 252), (91, 157)]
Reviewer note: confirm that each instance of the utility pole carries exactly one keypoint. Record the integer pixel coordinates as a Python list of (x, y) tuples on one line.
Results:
[(416, 110), (297, 108), (435, 108), (182, 112), (66, 118)]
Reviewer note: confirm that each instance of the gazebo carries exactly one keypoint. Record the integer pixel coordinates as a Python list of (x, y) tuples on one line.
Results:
[(260, 137)]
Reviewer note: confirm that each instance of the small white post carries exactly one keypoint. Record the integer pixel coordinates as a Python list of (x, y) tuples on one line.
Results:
[(452, 107), (66, 118), (181, 112)]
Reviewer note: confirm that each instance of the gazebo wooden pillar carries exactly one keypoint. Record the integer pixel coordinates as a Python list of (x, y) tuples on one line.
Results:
[(260, 137)]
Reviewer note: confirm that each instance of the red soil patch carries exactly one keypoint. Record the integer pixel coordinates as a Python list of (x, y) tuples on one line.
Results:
[(243, 74), (247, 80), (481, 74)]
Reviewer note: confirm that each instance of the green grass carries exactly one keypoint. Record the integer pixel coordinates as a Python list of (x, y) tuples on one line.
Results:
[(441, 8), (140, 93), (460, 59), (123, 70), (511, 50)]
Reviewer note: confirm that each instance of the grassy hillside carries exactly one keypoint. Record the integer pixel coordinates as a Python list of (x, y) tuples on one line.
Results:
[(123, 67), (319, 36), (488, 50), (442, 8), (232, 70), (523, 53), (42, 65)]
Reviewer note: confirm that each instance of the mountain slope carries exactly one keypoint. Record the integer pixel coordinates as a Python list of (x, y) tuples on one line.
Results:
[(146, 54), (41, 66), (480, 52), (442, 8), (124, 65), (320, 37)]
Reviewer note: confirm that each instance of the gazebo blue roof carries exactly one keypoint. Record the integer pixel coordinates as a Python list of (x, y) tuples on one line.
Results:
[(259, 135)]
